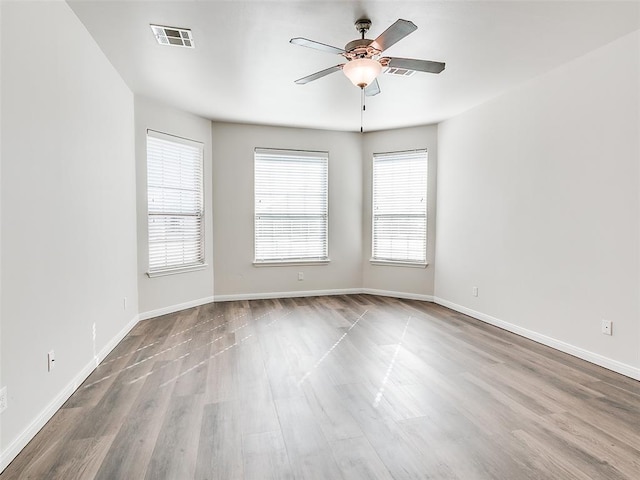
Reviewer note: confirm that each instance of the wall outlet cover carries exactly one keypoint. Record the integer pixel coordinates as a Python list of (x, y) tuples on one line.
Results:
[(51, 360)]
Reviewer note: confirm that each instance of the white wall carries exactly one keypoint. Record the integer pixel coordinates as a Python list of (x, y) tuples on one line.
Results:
[(538, 206), (1, 379), (168, 293), (407, 281), (236, 276), (68, 211)]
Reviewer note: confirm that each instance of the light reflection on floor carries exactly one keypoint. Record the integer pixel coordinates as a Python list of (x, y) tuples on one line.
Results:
[(380, 393), (326, 354), (191, 351), (378, 397)]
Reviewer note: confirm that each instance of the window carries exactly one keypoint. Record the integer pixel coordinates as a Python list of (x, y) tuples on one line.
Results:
[(290, 206), (175, 210), (400, 207)]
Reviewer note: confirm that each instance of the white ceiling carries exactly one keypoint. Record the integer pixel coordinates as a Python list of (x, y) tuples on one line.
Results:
[(243, 66)]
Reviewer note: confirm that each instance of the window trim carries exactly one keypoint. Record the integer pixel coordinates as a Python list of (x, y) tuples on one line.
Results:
[(273, 262), (289, 263), (397, 263), (184, 268), (394, 262), (175, 271)]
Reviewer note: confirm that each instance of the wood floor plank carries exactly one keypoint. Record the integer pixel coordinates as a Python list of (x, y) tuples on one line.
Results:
[(555, 463), (309, 452), (219, 454), (220, 382), (357, 459), (135, 441), (326, 405), (110, 412), (625, 458), (509, 381), (48, 441), (282, 365), (258, 409), (396, 452), (85, 459), (176, 448), (265, 456)]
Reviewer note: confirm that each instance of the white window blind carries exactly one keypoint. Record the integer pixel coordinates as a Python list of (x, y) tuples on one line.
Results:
[(290, 205), (400, 207), (175, 206)]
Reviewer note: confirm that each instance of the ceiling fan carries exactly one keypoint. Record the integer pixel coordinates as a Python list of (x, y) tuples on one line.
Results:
[(364, 62)]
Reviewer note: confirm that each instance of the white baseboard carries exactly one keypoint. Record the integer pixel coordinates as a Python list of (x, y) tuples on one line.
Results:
[(45, 415), (270, 295), (587, 355), (174, 308), (322, 293), (404, 295)]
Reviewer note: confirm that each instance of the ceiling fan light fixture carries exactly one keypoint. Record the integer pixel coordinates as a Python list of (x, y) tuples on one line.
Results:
[(362, 71)]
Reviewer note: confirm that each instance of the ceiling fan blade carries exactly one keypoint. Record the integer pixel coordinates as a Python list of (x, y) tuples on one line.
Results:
[(417, 65), (393, 34), (372, 89), (317, 75), (305, 42)]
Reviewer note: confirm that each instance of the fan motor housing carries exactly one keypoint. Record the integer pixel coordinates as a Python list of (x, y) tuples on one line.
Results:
[(360, 48)]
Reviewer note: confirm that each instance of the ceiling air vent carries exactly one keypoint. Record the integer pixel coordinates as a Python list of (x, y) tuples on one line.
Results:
[(401, 72), (172, 36)]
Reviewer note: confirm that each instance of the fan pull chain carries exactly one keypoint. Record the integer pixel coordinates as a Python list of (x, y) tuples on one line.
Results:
[(362, 109)]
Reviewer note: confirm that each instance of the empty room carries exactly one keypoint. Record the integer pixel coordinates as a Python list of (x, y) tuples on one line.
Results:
[(319, 240)]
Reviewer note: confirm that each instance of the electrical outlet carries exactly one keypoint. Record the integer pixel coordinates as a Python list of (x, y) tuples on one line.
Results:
[(51, 360), (300, 276), (3, 399), (607, 327), (474, 291)]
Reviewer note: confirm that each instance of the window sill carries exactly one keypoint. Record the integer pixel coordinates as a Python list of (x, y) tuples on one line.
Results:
[(175, 271), (397, 263), (289, 263)]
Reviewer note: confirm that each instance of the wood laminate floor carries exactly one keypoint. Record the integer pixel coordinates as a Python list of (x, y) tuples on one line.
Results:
[(342, 387)]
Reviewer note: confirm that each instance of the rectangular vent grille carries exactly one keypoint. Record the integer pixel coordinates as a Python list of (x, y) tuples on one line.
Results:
[(401, 72), (172, 36)]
